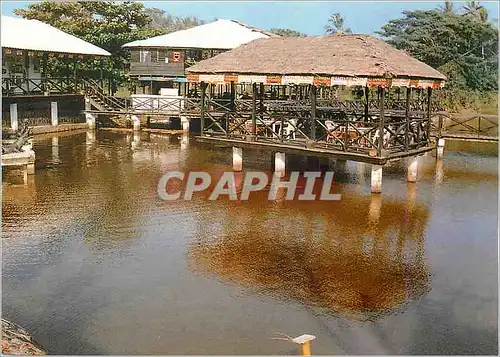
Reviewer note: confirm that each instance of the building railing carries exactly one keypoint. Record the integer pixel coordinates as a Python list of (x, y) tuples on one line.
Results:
[(475, 125), (15, 86)]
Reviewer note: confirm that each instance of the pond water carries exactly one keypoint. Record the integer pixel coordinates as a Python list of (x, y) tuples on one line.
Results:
[(95, 263)]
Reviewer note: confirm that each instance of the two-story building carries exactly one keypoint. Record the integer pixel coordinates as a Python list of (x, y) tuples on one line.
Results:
[(160, 62), (26, 46)]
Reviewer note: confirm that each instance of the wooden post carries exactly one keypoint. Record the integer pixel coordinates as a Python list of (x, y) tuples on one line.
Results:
[(27, 66), (75, 75), (407, 116), (381, 94), (254, 119), (305, 342), (366, 103), (429, 95), (306, 349), (261, 102), (419, 121), (100, 74), (440, 125), (313, 111), (202, 119), (233, 97)]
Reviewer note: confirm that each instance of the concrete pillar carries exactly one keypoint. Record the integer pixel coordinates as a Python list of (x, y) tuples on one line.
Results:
[(136, 122), (30, 168), (14, 124), (90, 139), (237, 159), (440, 147), (185, 124), (376, 178), (137, 139), (91, 120), (54, 115), (25, 175), (412, 168), (55, 148), (279, 164), (184, 141)]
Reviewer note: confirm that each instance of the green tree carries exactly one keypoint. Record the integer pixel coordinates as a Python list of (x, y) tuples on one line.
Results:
[(461, 47), (475, 9), (106, 24), (287, 32), (335, 25), (447, 7)]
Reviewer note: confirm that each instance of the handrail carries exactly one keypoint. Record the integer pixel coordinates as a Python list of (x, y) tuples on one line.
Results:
[(93, 87)]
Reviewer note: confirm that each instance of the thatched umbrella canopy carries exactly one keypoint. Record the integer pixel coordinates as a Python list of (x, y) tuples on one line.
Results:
[(329, 60)]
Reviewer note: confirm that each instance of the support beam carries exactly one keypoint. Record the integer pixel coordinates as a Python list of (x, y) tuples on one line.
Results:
[(429, 98), (366, 102), (376, 179), (440, 147), (91, 118), (136, 122), (261, 102), (184, 141), (202, 109), (412, 168), (407, 117), (254, 110), (279, 164), (54, 115), (233, 96), (185, 124), (313, 111), (30, 169), (237, 159), (14, 124), (381, 125)]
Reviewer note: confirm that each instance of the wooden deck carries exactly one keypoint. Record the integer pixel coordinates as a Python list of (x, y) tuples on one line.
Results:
[(319, 152)]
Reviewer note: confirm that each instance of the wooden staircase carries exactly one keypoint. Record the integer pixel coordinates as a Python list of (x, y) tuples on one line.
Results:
[(103, 102)]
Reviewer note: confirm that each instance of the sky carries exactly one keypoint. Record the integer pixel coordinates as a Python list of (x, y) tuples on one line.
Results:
[(308, 17)]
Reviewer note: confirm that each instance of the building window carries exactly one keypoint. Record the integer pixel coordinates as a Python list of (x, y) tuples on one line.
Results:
[(145, 56)]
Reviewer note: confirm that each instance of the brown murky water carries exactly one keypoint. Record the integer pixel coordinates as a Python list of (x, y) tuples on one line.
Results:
[(95, 263)]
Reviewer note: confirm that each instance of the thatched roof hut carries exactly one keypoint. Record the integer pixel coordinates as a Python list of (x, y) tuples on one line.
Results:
[(328, 60)]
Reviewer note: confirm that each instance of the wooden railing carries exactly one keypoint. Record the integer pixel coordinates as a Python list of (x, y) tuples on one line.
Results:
[(470, 126), (93, 89), (337, 125), (12, 86)]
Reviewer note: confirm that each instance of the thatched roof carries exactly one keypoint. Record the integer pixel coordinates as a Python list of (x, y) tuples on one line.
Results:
[(336, 55)]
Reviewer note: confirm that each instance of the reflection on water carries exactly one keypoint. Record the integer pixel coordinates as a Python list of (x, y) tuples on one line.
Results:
[(94, 263), (325, 263)]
